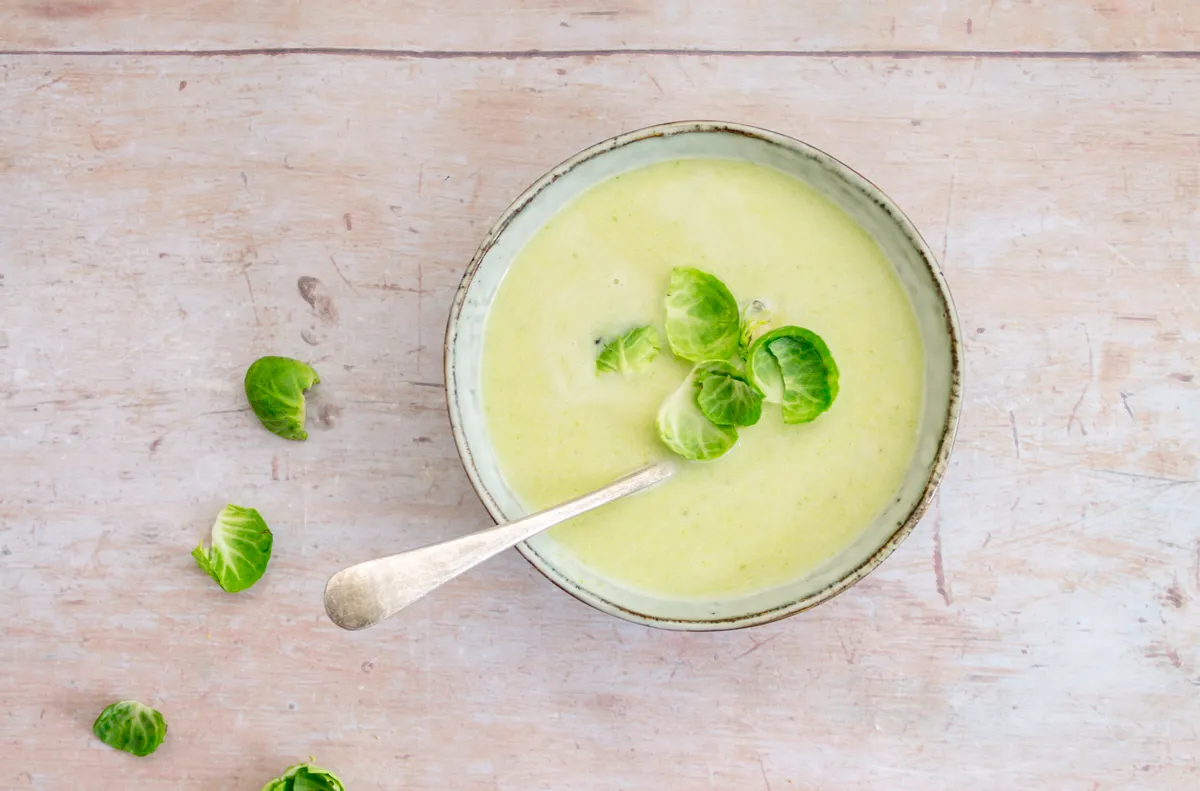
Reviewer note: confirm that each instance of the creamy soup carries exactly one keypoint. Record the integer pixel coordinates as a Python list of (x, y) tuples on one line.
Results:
[(786, 497)]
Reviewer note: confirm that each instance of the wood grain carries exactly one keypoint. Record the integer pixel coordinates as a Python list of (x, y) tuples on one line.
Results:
[(1039, 631), (470, 25)]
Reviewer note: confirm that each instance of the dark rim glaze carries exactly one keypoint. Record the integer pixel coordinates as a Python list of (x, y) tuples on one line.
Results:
[(945, 441)]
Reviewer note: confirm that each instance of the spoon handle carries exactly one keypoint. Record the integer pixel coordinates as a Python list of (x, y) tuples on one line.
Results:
[(365, 594)]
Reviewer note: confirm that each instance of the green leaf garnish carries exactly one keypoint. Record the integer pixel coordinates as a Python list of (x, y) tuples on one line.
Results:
[(703, 322), (792, 366), (631, 352), (240, 551), (131, 726), (684, 428), (275, 389), (763, 368), (305, 777), (727, 399), (810, 377)]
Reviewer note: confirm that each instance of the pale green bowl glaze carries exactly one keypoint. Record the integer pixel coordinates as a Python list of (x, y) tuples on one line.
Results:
[(895, 235)]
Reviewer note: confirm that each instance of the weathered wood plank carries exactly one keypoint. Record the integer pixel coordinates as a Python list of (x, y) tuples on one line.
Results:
[(155, 215), (429, 25)]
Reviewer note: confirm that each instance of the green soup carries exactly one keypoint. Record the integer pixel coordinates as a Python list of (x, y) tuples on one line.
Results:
[(785, 498)]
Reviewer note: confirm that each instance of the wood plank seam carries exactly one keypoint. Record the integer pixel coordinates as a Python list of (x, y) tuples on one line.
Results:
[(555, 54)]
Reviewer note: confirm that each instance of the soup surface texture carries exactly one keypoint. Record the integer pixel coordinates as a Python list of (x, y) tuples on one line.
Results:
[(785, 498)]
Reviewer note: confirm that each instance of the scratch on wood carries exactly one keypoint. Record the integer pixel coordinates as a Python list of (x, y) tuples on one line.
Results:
[(763, 769), (1119, 255), (420, 296), (949, 211), (757, 645), (1156, 478), (226, 411), (386, 286), (52, 82), (1012, 421), (250, 288), (1186, 295), (939, 572), (656, 85), (850, 655), (1091, 375), (1125, 403), (338, 269)]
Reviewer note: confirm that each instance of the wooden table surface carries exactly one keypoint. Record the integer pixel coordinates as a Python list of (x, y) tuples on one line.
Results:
[(168, 171)]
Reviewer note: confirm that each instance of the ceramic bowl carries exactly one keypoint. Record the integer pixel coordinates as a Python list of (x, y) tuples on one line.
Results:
[(892, 231)]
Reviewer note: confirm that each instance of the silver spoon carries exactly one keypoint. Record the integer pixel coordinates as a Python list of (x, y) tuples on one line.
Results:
[(367, 593)]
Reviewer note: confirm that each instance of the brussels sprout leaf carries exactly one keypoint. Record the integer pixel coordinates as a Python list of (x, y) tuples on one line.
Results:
[(703, 322), (763, 368), (683, 427), (631, 352), (275, 389), (792, 366), (130, 726), (727, 399), (241, 548), (810, 376), (305, 777)]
